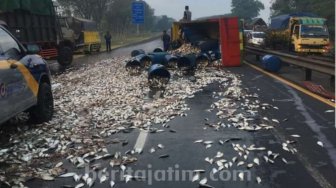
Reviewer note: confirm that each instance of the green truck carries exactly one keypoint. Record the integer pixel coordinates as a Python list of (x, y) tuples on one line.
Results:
[(35, 23)]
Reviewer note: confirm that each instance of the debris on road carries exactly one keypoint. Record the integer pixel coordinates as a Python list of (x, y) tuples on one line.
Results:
[(320, 143), (91, 104)]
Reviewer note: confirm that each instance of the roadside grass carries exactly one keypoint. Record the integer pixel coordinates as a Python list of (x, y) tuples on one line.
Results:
[(119, 42)]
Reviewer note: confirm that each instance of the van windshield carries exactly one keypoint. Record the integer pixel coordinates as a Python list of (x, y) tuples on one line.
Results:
[(314, 31)]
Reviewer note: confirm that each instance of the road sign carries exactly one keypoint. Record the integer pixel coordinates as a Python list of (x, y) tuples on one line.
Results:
[(138, 12)]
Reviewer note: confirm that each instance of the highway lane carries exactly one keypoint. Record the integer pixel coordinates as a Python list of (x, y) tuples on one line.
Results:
[(83, 60), (312, 166)]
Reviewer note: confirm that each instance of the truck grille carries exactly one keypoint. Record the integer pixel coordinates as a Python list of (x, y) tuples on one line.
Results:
[(307, 46)]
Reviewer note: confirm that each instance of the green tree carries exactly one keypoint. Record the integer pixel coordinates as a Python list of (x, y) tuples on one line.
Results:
[(163, 23), (89, 9), (246, 9), (112, 15)]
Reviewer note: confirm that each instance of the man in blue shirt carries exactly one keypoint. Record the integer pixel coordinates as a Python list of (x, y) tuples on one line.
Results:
[(108, 41)]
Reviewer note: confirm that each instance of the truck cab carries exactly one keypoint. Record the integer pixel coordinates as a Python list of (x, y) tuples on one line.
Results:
[(82, 33), (309, 35)]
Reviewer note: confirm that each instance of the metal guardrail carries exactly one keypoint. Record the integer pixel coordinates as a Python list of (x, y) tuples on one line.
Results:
[(307, 63)]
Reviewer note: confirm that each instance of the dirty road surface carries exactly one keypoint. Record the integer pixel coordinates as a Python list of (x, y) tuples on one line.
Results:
[(232, 127)]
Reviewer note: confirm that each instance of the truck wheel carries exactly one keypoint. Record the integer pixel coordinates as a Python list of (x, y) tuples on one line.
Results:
[(44, 109), (90, 49), (291, 48), (65, 56)]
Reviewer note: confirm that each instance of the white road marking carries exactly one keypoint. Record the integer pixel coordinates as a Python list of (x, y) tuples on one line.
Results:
[(140, 143)]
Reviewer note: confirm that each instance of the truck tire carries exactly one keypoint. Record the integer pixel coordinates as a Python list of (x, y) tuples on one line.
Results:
[(44, 109), (65, 56), (291, 48)]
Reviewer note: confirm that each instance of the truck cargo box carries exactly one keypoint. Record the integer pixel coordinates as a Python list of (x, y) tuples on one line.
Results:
[(217, 34), (281, 22), (35, 22)]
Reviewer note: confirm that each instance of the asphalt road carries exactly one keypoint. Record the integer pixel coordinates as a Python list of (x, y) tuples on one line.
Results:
[(81, 60), (297, 74), (312, 166)]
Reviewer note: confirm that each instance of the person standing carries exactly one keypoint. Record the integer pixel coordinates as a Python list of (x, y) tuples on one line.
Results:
[(187, 14), (166, 40), (108, 41)]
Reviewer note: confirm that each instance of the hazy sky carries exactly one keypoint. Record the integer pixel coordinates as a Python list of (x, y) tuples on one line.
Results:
[(199, 8)]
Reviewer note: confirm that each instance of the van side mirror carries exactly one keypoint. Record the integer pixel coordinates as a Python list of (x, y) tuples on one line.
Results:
[(33, 49)]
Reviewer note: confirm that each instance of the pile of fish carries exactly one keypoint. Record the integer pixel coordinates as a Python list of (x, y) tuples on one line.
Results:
[(91, 104), (185, 49)]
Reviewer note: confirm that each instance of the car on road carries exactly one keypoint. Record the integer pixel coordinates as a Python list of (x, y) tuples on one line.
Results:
[(256, 38), (25, 81)]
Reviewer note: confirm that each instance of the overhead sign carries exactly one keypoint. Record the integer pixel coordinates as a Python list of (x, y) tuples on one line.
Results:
[(138, 12)]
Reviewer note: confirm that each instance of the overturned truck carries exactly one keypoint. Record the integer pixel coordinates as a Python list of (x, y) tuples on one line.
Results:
[(217, 37)]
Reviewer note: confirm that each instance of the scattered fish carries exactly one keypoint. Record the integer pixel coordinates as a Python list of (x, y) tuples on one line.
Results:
[(219, 155), (102, 179), (163, 156), (123, 168), (208, 142), (128, 178), (196, 177), (67, 175), (209, 160), (112, 183), (199, 171), (258, 180), (203, 181), (241, 176), (240, 163), (80, 185), (214, 171), (320, 143), (208, 146), (275, 120), (284, 160), (256, 161), (47, 177), (198, 141)]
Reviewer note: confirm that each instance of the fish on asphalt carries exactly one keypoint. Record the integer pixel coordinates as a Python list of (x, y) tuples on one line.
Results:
[(196, 177), (80, 185), (256, 161), (102, 179), (112, 183), (198, 141), (258, 179), (67, 175), (163, 156), (241, 176), (203, 181)]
